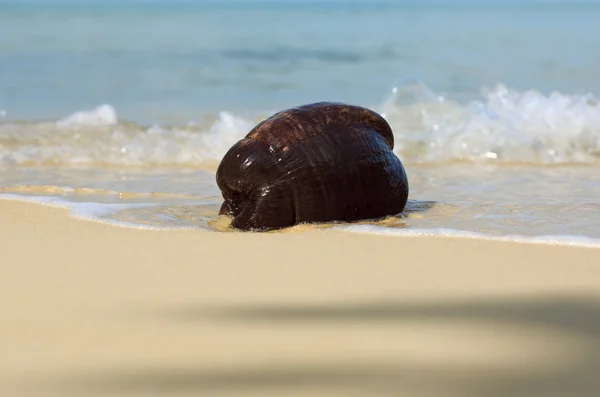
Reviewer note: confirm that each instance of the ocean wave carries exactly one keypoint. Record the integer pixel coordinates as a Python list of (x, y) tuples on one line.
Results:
[(504, 126), (90, 211), (105, 213), (568, 240), (97, 138), (102, 115)]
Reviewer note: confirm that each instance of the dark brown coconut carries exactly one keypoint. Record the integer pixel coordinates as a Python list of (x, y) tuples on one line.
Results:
[(315, 163)]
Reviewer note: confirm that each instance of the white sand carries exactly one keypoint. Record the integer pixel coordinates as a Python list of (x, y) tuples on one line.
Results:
[(90, 309)]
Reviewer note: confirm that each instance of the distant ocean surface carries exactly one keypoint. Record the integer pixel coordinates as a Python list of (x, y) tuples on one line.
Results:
[(121, 110)]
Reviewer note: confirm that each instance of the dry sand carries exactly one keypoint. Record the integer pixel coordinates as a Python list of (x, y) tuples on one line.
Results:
[(88, 309)]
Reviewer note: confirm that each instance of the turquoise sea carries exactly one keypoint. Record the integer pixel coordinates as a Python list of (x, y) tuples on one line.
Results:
[(122, 110)]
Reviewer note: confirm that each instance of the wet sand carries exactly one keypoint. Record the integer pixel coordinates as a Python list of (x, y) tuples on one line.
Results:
[(90, 309)]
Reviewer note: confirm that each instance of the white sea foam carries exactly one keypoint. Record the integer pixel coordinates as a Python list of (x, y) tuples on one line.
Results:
[(505, 126), (102, 115), (570, 240), (90, 211), (104, 212), (97, 138), (101, 212)]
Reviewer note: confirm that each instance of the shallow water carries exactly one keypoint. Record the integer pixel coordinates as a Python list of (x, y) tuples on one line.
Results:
[(122, 111), (173, 61), (488, 199)]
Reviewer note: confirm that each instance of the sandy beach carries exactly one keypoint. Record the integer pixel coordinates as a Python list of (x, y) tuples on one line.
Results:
[(119, 278), (92, 309)]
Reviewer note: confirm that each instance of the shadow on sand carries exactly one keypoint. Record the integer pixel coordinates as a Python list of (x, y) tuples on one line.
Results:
[(574, 314), (575, 318)]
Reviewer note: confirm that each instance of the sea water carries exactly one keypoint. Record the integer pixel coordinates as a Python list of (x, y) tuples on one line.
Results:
[(121, 111)]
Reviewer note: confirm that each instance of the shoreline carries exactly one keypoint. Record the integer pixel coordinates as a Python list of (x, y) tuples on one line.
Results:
[(353, 228), (92, 309)]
